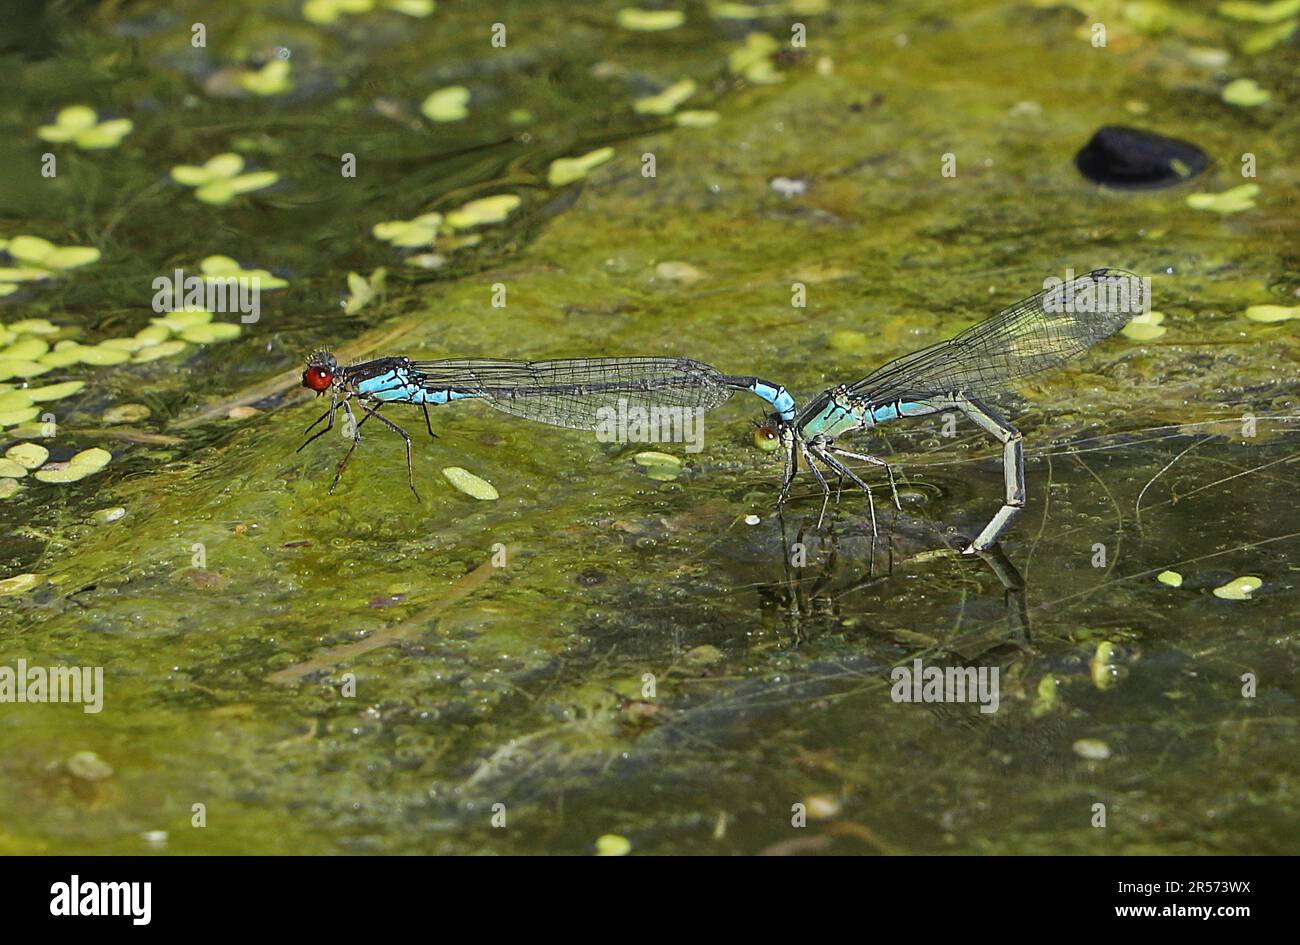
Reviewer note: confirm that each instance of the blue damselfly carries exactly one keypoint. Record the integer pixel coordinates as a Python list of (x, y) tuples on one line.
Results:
[(571, 392), (1036, 334)]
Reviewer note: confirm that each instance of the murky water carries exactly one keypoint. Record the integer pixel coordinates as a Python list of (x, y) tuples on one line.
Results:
[(600, 653)]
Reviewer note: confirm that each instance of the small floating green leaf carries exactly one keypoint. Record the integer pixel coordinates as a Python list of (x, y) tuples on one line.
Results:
[(15, 400), (26, 349), (1239, 588), (666, 102), (650, 21), (164, 350), (1046, 699), (1235, 200), (1259, 12), (753, 61), (211, 332), (1145, 327), (70, 257), (449, 104), (54, 391), (11, 470), (9, 488), (1272, 313), (697, 118), (126, 413), (15, 367), (1094, 749), (611, 844), (9, 418), (19, 583), (34, 326), (102, 356), (470, 484), (566, 170), (652, 458), (1172, 578), (271, 79), (81, 125), (419, 231), (485, 210), (1265, 39), (86, 463), (1245, 93), (28, 455)]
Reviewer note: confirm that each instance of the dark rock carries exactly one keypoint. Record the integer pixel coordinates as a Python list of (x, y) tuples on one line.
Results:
[(1131, 159)]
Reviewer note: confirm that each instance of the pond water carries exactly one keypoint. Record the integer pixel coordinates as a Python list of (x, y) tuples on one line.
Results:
[(612, 654)]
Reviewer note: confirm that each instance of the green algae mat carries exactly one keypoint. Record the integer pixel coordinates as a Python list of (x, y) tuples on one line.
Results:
[(574, 646)]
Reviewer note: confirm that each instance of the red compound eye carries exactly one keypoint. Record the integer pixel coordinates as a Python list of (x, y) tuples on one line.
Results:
[(317, 379)]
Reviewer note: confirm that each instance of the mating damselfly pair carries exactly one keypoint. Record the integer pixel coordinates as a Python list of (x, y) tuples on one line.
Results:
[(1037, 334)]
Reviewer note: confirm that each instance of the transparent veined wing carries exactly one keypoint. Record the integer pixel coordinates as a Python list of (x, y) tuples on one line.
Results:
[(1036, 334), (572, 392)]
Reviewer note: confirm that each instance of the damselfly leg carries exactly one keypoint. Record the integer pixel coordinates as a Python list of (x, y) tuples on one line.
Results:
[(356, 438), (333, 409), (1013, 470), (410, 470), (843, 472)]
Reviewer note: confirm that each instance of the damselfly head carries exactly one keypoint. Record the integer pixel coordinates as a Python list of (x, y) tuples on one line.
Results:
[(768, 432), (320, 371)]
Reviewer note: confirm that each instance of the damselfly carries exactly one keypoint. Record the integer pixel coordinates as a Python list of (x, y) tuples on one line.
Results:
[(1037, 334), (573, 392)]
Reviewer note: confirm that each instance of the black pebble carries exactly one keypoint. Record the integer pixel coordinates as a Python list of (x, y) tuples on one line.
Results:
[(1131, 159)]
